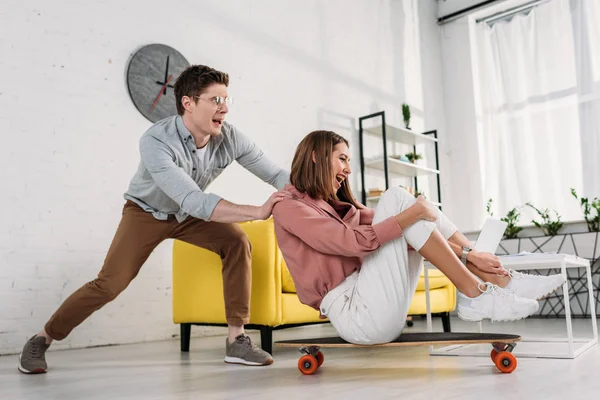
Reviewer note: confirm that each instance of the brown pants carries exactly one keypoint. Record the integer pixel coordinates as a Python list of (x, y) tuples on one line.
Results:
[(137, 236)]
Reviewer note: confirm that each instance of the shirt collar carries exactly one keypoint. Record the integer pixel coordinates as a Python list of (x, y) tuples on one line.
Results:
[(322, 204), (186, 135), (182, 130)]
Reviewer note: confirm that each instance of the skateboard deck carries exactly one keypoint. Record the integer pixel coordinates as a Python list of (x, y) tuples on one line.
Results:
[(502, 346)]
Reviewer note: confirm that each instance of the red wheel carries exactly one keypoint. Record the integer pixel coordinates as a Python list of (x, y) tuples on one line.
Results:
[(494, 354), (506, 362), (320, 358), (307, 364)]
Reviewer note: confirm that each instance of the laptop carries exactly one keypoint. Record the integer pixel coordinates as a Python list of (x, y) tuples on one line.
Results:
[(490, 236)]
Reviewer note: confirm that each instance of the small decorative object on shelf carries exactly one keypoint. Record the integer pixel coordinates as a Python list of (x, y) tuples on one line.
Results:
[(412, 157), (406, 115), (401, 158), (375, 192), (411, 190)]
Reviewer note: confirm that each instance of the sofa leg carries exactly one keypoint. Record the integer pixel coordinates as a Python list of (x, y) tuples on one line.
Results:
[(186, 332), (446, 321), (266, 339)]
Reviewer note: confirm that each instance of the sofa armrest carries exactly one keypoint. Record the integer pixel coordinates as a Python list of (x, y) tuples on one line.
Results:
[(198, 282)]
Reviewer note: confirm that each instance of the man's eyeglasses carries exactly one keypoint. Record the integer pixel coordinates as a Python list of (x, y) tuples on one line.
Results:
[(218, 101)]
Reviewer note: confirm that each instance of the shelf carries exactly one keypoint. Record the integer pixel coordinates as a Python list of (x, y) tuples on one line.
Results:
[(400, 167), (400, 135), (375, 198)]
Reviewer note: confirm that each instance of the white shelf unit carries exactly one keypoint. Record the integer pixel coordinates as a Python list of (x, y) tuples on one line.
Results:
[(400, 135), (400, 167), (393, 166)]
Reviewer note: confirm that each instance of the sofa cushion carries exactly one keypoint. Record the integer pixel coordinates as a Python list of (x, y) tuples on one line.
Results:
[(436, 280), (294, 312), (287, 283)]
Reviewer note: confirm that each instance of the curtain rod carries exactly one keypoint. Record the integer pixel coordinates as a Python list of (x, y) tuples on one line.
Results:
[(455, 15), (511, 11)]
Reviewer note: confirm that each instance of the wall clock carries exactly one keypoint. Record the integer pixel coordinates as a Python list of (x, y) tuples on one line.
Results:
[(151, 75)]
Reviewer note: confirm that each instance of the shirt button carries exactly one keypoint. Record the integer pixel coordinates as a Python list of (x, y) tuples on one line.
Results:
[(193, 151), (193, 169)]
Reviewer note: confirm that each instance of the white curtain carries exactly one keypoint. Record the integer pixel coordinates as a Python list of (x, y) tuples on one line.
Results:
[(538, 114)]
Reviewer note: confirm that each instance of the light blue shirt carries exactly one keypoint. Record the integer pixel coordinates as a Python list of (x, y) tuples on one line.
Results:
[(169, 179)]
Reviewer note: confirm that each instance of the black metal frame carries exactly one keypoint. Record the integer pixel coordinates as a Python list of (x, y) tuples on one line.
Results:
[(266, 333), (385, 157)]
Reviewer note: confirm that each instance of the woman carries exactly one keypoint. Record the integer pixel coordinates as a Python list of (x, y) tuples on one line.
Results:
[(360, 267)]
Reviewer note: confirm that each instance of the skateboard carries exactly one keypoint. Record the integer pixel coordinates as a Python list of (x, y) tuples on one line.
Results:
[(502, 346)]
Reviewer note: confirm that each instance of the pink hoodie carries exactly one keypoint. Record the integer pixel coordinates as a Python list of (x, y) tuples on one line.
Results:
[(324, 243)]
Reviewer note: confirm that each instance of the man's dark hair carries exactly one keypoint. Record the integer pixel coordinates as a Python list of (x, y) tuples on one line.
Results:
[(194, 80)]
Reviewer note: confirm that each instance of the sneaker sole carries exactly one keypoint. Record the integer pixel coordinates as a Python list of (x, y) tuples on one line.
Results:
[(35, 371), (550, 292), (236, 360), (493, 320)]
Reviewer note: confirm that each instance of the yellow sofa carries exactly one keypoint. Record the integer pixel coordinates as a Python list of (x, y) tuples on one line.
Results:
[(198, 289)]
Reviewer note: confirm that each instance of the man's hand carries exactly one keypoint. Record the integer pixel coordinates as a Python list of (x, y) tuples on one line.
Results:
[(428, 211), (265, 211), (486, 262)]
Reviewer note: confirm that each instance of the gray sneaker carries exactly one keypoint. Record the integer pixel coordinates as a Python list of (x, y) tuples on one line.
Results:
[(243, 351), (32, 359)]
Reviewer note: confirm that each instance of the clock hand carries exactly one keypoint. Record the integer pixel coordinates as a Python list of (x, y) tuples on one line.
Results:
[(161, 92), (166, 72), (162, 83)]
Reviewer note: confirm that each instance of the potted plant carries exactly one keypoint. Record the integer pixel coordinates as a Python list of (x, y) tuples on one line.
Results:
[(412, 157), (549, 226), (406, 115), (511, 218), (591, 211)]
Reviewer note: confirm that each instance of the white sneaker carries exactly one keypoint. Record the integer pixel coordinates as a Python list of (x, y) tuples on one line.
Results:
[(534, 287), (496, 304)]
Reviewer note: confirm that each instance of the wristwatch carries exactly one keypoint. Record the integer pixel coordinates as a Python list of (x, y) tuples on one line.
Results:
[(465, 253)]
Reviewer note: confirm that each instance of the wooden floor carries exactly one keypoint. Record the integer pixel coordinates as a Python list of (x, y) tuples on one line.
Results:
[(159, 371)]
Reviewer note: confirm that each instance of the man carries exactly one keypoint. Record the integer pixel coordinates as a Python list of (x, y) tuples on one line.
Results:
[(180, 156)]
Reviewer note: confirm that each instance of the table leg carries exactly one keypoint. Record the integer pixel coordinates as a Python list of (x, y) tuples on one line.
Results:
[(568, 311), (592, 300)]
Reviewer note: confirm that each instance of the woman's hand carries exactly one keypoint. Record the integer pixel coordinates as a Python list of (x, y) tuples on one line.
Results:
[(486, 262), (428, 211), (422, 209)]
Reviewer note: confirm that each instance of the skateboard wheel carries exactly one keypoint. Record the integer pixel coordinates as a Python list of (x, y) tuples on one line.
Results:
[(506, 362), (494, 354), (308, 364), (320, 359)]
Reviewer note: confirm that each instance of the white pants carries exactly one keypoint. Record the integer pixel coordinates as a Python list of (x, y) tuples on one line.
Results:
[(371, 306)]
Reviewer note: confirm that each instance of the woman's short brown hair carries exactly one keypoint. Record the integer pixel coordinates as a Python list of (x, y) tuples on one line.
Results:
[(314, 177)]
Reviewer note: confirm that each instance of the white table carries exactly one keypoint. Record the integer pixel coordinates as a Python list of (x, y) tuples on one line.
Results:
[(544, 347)]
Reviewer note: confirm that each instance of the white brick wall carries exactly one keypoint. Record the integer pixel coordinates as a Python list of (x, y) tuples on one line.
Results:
[(69, 131)]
